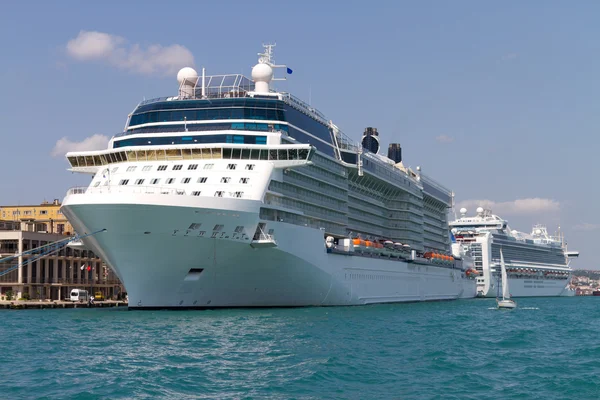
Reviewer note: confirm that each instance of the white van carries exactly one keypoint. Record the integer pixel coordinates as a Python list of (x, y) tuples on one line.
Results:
[(79, 295)]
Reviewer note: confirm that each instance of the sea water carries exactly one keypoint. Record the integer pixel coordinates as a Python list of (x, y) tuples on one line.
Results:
[(548, 348)]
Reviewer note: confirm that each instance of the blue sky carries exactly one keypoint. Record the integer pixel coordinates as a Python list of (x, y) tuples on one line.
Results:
[(498, 101)]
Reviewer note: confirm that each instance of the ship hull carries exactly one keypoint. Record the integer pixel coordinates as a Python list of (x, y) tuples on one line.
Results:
[(527, 287), (165, 264)]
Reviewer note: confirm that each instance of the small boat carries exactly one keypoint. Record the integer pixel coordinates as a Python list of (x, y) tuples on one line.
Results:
[(504, 303)]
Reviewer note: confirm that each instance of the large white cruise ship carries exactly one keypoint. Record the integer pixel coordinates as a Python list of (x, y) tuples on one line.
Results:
[(537, 264), (232, 194)]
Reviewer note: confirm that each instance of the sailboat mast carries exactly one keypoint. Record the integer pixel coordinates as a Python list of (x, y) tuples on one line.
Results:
[(505, 293)]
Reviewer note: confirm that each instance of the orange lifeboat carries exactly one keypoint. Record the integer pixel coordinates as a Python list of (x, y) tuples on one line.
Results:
[(359, 244)]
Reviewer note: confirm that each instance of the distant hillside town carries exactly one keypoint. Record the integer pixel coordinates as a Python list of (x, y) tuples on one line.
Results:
[(586, 282)]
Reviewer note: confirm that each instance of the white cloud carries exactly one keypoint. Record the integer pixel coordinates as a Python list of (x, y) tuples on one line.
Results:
[(94, 142), (444, 139), (586, 226), (115, 50), (515, 207)]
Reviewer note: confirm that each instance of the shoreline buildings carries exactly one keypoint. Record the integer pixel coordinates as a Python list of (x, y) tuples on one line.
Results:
[(47, 276)]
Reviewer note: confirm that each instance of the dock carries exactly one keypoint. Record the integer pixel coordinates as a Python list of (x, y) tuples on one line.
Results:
[(36, 305)]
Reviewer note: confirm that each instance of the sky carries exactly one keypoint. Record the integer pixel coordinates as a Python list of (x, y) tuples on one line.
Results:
[(498, 101)]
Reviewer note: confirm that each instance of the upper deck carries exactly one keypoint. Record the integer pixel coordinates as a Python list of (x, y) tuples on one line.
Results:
[(485, 222)]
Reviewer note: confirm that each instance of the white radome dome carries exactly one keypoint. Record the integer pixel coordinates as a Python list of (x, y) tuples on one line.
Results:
[(479, 210), (187, 74), (463, 210), (262, 73)]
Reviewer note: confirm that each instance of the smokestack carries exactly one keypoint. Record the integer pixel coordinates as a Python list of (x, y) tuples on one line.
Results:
[(370, 140), (395, 152)]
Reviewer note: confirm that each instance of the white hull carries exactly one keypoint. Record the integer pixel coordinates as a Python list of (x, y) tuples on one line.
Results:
[(152, 251), (529, 287), (507, 304)]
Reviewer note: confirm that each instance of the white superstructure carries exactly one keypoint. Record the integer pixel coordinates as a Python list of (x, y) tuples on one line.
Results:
[(232, 194), (537, 264)]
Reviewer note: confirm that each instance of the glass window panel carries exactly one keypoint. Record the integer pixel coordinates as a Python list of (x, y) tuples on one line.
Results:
[(173, 154), (245, 154), (160, 155), (164, 116), (187, 154), (97, 160), (131, 156), (151, 155), (89, 161), (227, 153), (229, 80), (141, 155), (196, 153), (216, 152), (206, 153), (283, 155), (236, 154), (255, 154), (272, 154)]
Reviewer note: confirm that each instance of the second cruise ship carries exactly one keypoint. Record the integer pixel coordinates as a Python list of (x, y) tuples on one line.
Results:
[(537, 264), (232, 194)]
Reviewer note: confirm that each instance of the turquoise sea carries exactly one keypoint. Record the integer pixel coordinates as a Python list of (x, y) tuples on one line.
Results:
[(548, 348)]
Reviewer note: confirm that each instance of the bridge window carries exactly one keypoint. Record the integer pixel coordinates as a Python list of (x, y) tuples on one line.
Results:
[(131, 169), (147, 168), (192, 166), (139, 181), (155, 181), (219, 193), (196, 193), (244, 180), (202, 179), (186, 180), (250, 167), (231, 166), (177, 167), (162, 168), (225, 179), (208, 166), (170, 181), (238, 194), (124, 182)]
